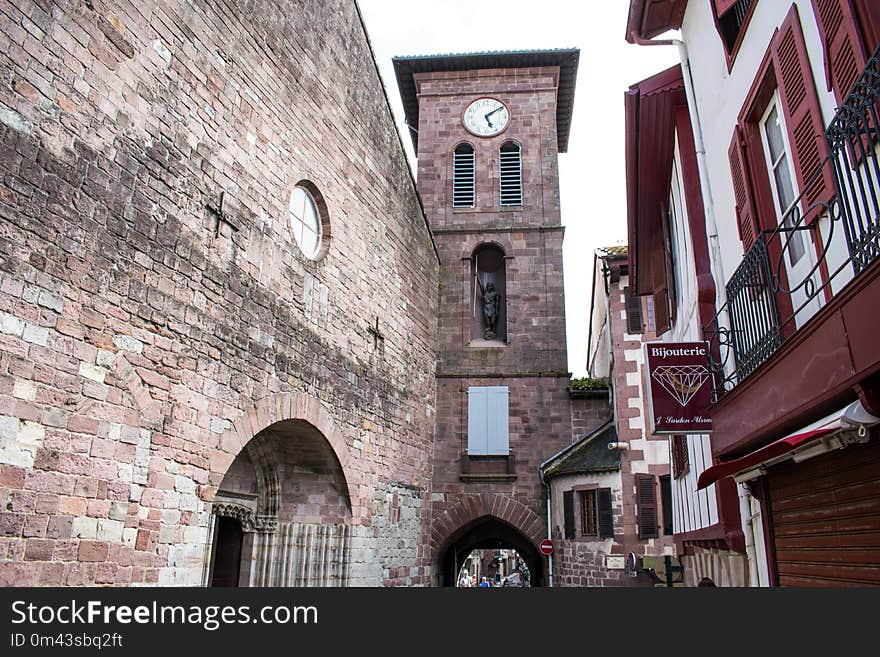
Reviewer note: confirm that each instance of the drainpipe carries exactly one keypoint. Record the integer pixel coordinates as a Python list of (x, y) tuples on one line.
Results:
[(549, 525), (705, 186), (745, 512)]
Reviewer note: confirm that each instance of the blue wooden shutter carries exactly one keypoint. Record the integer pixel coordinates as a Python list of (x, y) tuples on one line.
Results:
[(498, 436), (488, 420), (478, 420)]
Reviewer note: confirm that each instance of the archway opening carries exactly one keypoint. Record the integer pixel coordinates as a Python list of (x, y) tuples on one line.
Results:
[(501, 567), (288, 494), (495, 537)]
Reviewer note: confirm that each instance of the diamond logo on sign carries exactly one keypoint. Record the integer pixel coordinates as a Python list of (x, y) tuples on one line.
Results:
[(679, 386), (681, 381)]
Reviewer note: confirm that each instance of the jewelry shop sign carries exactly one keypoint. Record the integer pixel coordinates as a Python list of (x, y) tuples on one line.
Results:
[(679, 386)]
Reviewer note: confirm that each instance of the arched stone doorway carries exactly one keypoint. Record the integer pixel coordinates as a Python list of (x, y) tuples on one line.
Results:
[(487, 532), (287, 491)]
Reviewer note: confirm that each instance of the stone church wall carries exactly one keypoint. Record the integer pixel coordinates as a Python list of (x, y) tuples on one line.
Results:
[(143, 340)]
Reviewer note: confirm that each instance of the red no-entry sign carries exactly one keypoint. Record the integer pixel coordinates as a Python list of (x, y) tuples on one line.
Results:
[(546, 547)]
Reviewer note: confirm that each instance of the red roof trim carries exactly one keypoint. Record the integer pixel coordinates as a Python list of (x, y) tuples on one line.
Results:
[(648, 18)]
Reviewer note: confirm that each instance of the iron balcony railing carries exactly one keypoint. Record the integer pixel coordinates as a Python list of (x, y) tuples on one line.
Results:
[(775, 291)]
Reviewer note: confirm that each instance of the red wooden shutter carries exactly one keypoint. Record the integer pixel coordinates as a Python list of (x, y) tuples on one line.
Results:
[(868, 12), (746, 221), (662, 320), (723, 6), (800, 106), (633, 311), (842, 44), (646, 499)]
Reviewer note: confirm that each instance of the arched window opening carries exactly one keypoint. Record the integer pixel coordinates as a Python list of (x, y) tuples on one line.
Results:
[(489, 289), (463, 177), (510, 159)]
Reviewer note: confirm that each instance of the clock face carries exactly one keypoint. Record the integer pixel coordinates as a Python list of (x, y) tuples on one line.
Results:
[(486, 117)]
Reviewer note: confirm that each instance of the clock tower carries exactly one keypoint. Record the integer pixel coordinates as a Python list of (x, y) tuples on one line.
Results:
[(487, 129)]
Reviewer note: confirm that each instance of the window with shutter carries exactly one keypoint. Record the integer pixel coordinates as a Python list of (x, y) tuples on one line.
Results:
[(633, 311), (666, 501), (786, 70), (800, 103), (510, 175), (731, 19), (463, 176), (606, 517), (568, 513), (488, 430), (844, 51), (646, 501)]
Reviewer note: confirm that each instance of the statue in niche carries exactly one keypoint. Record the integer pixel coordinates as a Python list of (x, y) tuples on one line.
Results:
[(491, 307)]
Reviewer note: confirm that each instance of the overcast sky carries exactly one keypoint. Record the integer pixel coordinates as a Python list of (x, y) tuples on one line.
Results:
[(592, 183)]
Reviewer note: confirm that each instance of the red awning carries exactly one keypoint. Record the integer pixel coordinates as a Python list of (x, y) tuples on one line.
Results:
[(774, 450), (849, 417)]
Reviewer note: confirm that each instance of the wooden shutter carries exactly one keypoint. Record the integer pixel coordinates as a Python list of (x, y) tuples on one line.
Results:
[(746, 220), (661, 312), (844, 52), (723, 6), (633, 311), (680, 460), (800, 106), (646, 499), (478, 420), (666, 501), (497, 430), (868, 12), (488, 431), (605, 516), (568, 513)]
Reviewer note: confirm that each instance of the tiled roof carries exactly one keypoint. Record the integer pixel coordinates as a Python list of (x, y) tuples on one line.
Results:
[(591, 454)]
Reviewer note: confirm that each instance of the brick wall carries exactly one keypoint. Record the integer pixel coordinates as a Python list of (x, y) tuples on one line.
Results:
[(141, 340)]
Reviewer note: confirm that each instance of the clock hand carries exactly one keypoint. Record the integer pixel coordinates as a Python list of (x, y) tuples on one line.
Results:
[(497, 109)]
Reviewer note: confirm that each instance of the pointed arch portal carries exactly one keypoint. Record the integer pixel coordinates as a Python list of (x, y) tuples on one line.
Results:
[(487, 532)]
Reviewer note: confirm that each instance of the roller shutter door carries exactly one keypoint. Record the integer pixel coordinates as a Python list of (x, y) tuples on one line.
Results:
[(826, 518)]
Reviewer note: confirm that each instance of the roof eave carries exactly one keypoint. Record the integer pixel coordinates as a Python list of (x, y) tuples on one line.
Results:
[(566, 59)]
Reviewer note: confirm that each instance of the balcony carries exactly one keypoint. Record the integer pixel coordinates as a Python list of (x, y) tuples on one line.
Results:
[(801, 307)]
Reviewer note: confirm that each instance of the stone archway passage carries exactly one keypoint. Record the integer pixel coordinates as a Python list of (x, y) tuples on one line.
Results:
[(287, 490), (487, 532)]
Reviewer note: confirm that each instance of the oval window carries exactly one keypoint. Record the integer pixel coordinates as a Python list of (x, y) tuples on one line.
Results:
[(305, 222)]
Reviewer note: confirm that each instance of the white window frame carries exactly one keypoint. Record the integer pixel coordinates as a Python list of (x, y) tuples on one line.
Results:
[(771, 174)]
